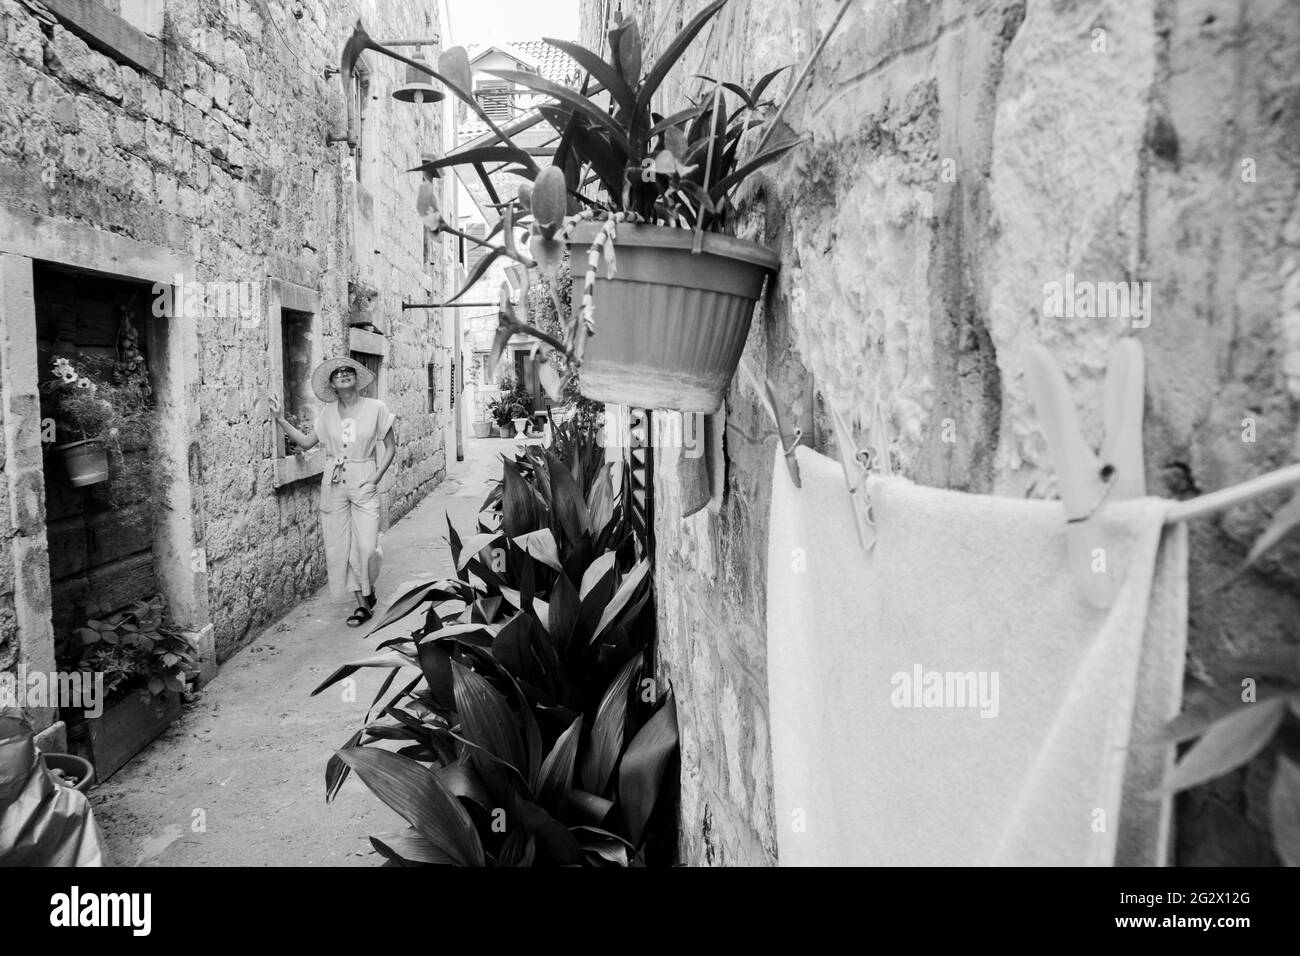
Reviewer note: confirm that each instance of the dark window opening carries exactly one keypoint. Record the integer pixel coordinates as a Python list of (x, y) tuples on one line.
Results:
[(371, 362), (296, 351)]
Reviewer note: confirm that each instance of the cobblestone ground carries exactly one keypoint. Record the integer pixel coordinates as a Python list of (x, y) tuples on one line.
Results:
[(247, 759)]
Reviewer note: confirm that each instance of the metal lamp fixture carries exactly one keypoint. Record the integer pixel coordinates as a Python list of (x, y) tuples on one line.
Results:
[(417, 89)]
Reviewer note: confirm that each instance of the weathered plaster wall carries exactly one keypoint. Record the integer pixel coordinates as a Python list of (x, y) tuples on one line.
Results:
[(960, 156), (225, 158)]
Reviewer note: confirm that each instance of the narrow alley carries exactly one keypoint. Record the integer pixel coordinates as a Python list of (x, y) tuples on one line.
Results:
[(239, 780)]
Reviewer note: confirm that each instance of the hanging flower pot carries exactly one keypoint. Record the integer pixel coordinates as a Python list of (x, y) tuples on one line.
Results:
[(670, 324), (86, 462)]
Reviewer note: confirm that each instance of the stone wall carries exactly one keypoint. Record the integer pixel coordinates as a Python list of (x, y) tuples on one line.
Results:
[(8, 621), (225, 158), (961, 156)]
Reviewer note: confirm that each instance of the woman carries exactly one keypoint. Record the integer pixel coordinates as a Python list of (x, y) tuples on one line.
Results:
[(351, 427)]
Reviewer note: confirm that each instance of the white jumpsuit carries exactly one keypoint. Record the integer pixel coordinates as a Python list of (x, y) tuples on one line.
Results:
[(349, 517)]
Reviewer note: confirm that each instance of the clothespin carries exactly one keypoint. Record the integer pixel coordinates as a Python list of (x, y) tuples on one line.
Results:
[(1087, 480), (858, 463), (789, 434)]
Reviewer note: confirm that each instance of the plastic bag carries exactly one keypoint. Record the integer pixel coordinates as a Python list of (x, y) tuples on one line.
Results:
[(41, 823)]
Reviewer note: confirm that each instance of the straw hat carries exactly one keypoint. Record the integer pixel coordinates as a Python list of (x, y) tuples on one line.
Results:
[(320, 377)]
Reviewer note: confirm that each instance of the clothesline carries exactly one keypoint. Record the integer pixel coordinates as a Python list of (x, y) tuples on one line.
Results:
[(1229, 497)]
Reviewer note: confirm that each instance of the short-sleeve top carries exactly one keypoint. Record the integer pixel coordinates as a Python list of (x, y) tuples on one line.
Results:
[(357, 436)]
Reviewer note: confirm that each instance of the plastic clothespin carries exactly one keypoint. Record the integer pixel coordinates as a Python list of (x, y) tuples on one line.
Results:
[(789, 435), (1086, 480), (858, 463)]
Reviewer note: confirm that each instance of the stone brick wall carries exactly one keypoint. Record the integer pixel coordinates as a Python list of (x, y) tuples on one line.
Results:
[(8, 623), (225, 158), (960, 156)]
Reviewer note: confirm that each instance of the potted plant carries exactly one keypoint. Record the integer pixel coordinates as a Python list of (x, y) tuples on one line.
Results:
[(482, 429), (144, 662), (511, 408), (535, 733), (103, 405), (662, 323), (82, 412), (498, 409)]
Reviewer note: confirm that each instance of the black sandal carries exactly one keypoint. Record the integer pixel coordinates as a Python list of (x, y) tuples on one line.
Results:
[(359, 617)]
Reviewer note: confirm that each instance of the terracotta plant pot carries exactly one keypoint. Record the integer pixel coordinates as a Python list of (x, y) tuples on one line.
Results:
[(86, 462), (670, 324), (498, 431), (482, 429)]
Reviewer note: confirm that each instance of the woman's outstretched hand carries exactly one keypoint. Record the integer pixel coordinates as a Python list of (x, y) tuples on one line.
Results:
[(274, 403)]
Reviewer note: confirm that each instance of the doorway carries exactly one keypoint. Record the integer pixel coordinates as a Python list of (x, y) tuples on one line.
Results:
[(101, 535)]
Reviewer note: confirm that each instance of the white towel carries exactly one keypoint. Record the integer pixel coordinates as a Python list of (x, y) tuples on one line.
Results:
[(974, 592)]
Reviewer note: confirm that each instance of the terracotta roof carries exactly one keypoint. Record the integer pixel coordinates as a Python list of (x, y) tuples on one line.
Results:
[(551, 63)]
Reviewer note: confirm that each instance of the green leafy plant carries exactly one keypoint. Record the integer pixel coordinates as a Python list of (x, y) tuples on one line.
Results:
[(135, 649), (1229, 733), (549, 298), (617, 160), (1233, 727), (100, 399), (578, 443), (679, 169), (531, 730), (516, 403)]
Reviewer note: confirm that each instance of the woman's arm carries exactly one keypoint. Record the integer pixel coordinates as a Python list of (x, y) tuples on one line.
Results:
[(390, 450), (305, 442)]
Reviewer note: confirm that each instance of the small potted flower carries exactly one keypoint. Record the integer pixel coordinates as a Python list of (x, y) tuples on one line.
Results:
[(102, 404), (81, 411)]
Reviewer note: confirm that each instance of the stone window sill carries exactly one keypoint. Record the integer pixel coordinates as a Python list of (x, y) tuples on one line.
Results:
[(359, 340), (298, 467)]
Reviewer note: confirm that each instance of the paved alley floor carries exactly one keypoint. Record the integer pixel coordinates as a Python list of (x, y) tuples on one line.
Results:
[(239, 779)]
